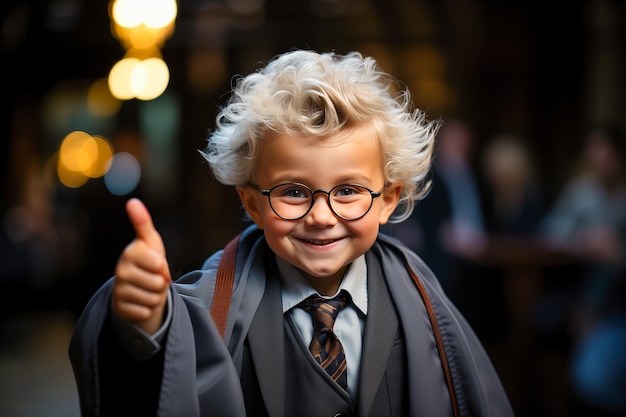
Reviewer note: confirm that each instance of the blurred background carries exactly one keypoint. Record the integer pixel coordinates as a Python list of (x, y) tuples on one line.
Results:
[(106, 100)]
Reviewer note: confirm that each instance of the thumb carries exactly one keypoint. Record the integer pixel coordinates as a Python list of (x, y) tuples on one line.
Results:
[(141, 220)]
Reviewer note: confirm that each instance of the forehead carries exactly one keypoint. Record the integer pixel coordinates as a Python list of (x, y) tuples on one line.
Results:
[(354, 154)]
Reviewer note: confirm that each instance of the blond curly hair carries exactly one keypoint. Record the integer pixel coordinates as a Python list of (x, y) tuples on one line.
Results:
[(305, 93)]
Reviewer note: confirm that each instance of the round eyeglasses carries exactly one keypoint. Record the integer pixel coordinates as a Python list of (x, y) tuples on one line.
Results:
[(293, 201)]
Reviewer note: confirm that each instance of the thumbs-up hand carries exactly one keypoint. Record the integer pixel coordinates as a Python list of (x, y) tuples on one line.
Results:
[(142, 275)]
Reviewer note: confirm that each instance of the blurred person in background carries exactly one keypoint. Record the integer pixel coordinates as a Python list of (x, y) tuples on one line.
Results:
[(462, 234), (513, 205), (588, 223), (447, 229), (514, 201)]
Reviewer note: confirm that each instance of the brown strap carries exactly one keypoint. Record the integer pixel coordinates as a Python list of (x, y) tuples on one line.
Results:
[(224, 285), (442, 353)]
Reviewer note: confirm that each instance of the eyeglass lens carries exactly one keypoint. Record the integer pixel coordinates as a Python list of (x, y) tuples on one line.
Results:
[(348, 201)]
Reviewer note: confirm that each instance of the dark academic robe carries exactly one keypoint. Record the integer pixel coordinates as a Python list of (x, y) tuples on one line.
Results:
[(196, 373)]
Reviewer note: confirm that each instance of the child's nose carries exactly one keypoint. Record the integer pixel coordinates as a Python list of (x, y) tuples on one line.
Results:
[(320, 213)]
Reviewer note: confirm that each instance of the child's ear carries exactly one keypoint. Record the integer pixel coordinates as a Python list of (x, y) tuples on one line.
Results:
[(390, 197), (250, 200)]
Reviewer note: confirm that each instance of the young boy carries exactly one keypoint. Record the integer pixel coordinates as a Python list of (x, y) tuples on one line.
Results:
[(322, 152)]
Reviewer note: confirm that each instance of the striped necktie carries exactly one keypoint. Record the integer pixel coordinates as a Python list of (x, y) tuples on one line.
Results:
[(325, 346)]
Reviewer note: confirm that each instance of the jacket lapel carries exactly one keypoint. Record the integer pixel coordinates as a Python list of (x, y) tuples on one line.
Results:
[(380, 331), (266, 337)]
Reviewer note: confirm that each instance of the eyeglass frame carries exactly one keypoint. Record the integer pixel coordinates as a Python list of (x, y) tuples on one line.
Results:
[(267, 192)]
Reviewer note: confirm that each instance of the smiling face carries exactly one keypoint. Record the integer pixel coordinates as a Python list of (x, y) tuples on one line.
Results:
[(321, 244)]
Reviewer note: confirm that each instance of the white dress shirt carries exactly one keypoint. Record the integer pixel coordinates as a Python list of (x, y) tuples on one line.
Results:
[(350, 321)]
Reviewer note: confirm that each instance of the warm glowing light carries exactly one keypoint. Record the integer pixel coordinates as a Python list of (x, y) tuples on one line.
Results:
[(69, 178), (143, 79), (82, 156), (102, 160), (77, 151), (127, 13), (160, 13), (144, 53), (155, 77), (141, 25), (120, 76), (152, 13), (144, 37)]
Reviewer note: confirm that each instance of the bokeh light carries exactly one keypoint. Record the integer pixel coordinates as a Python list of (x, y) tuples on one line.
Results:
[(141, 25), (78, 151), (150, 78), (101, 163), (143, 79), (124, 174), (152, 13), (120, 76), (68, 177), (82, 156)]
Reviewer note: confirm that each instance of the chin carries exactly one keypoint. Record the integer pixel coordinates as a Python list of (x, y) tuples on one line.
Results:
[(322, 273)]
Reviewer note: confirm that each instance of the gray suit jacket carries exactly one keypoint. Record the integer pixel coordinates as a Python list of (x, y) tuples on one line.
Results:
[(383, 366), (200, 373)]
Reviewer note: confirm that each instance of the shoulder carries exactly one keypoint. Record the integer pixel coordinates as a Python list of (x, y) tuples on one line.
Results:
[(200, 284), (396, 249), (246, 242), (397, 259)]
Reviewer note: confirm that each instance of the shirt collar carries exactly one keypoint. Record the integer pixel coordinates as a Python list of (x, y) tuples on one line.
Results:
[(297, 288)]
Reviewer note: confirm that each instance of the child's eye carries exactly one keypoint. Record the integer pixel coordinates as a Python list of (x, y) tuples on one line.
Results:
[(292, 191), (347, 191)]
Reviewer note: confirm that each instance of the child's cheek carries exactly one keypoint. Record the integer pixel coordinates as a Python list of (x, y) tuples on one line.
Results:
[(275, 227)]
